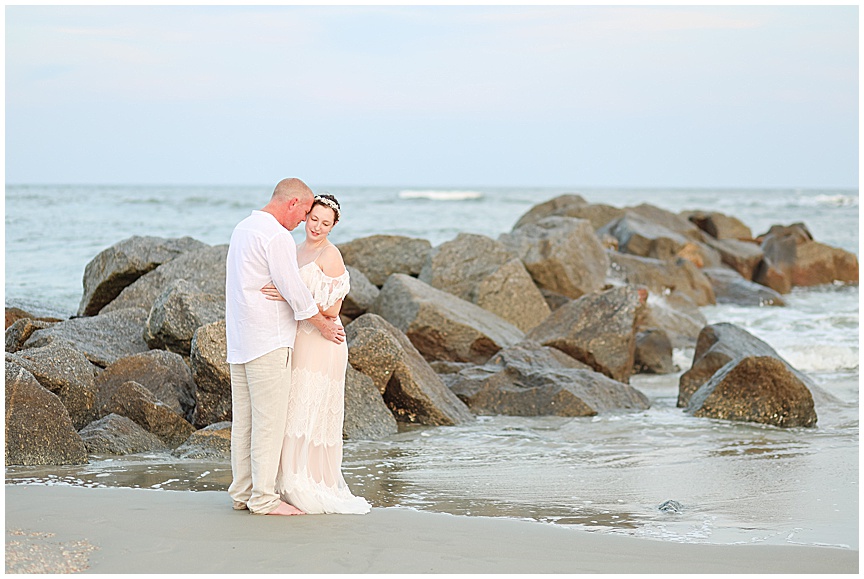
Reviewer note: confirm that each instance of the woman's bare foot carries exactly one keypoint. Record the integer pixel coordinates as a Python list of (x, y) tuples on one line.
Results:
[(286, 509)]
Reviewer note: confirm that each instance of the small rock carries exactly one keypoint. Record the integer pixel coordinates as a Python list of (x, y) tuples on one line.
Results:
[(671, 507)]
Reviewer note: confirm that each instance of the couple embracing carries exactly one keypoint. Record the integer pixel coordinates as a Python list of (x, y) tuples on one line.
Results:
[(288, 356)]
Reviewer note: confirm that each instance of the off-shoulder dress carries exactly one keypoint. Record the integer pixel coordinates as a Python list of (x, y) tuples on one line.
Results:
[(310, 470)]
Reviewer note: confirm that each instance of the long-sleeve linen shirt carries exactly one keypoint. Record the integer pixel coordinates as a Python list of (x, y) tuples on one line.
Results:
[(261, 251)]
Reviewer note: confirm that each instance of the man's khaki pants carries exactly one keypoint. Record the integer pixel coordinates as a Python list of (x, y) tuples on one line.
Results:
[(259, 398)]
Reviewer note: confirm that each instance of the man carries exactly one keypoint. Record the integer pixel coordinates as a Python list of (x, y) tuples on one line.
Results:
[(260, 336)]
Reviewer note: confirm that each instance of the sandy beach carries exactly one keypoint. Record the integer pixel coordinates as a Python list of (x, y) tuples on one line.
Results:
[(56, 529)]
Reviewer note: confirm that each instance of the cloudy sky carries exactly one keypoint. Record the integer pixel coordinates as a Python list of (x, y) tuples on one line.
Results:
[(640, 96)]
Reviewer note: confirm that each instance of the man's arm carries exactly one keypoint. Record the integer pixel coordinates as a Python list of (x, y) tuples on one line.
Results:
[(282, 260)]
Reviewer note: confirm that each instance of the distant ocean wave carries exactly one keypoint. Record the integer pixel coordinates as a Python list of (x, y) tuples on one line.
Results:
[(437, 195), (831, 200)]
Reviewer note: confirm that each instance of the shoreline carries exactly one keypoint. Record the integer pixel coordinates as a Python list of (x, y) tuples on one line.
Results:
[(55, 529)]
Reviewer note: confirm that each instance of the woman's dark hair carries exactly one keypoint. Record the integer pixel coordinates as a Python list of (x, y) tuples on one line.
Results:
[(327, 200)]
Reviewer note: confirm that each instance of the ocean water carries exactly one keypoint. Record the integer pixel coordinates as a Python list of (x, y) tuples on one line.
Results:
[(734, 482)]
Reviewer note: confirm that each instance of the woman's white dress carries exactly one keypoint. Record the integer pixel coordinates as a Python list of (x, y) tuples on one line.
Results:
[(310, 470)]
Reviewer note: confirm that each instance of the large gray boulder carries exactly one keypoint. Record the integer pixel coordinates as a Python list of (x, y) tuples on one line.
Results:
[(695, 249), (375, 349), (668, 220), (793, 258), (366, 415), (718, 225), (210, 443), (482, 271), (780, 249), (760, 389), (638, 235), (361, 296), (379, 256), (525, 354), (661, 277), (66, 372), (115, 434), (135, 402), (410, 388), (818, 264), (718, 345), (742, 256), (533, 380), (559, 206), (38, 429), (731, 288), (529, 354), (562, 254), (440, 325), (165, 374), (212, 375), (178, 311), (204, 268), (104, 339), (569, 205), (118, 266), (597, 329)]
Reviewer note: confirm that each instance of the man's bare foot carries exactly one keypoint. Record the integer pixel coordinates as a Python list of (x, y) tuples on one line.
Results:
[(286, 509)]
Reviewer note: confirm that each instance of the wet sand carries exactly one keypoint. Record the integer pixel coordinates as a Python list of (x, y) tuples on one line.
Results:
[(56, 529)]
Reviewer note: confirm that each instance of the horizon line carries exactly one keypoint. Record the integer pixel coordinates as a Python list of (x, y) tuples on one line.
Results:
[(416, 187)]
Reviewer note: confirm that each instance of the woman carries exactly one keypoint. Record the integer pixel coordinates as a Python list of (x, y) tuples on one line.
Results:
[(310, 471)]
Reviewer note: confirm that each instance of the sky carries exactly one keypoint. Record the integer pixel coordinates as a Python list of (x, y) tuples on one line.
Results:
[(439, 96)]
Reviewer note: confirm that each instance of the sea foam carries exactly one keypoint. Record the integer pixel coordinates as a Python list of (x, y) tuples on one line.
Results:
[(440, 195), (831, 200)]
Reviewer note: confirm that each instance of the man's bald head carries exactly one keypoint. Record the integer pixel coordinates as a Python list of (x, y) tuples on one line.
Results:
[(292, 188), (291, 201)]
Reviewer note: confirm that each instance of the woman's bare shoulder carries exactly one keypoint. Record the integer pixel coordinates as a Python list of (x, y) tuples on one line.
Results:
[(330, 261)]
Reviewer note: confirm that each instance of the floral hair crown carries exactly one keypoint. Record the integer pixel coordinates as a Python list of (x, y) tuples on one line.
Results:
[(331, 204)]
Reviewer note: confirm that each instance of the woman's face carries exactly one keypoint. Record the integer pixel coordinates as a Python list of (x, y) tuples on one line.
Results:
[(319, 222)]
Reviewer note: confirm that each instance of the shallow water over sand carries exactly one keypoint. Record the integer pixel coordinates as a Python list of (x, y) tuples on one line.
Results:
[(735, 482)]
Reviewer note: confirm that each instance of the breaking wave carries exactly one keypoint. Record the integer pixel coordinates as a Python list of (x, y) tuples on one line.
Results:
[(439, 195)]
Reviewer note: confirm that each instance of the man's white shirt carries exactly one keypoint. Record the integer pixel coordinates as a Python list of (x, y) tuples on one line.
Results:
[(261, 251)]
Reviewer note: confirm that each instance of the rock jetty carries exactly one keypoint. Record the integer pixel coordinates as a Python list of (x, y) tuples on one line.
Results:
[(551, 318)]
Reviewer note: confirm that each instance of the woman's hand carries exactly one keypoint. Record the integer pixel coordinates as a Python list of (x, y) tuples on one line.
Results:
[(271, 293)]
